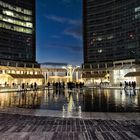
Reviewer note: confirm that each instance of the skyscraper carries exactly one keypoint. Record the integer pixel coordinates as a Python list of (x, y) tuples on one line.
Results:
[(111, 33), (17, 33)]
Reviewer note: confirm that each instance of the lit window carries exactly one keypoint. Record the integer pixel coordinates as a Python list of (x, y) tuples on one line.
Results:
[(137, 16), (15, 28), (137, 9), (110, 37), (14, 14), (28, 24), (17, 22), (100, 51), (99, 38), (17, 9)]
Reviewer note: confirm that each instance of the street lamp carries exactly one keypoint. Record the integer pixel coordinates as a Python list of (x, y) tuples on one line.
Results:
[(70, 70)]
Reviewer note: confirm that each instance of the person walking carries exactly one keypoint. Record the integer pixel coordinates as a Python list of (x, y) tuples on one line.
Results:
[(35, 86), (121, 85)]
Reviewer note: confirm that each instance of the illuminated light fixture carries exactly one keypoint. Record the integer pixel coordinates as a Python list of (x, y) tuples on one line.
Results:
[(29, 24), (100, 51)]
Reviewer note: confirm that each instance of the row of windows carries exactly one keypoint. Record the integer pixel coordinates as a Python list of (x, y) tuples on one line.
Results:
[(101, 38), (17, 22), (112, 29), (14, 35), (20, 54), (107, 12), (127, 35), (15, 40), (112, 5), (15, 28), (18, 64), (116, 42), (15, 47), (15, 15), (116, 57), (112, 20), (112, 16), (15, 8)]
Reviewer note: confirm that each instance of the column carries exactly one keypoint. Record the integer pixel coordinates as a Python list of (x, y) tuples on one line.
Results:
[(45, 73), (47, 80), (77, 78)]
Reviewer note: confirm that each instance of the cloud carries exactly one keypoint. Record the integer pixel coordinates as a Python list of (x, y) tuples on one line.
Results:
[(56, 18), (75, 29), (64, 20), (75, 32)]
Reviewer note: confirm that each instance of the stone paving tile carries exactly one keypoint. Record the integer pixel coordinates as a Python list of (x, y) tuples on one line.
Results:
[(20, 127)]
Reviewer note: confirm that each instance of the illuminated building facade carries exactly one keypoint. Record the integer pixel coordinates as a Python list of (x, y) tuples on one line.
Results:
[(17, 33), (111, 34)]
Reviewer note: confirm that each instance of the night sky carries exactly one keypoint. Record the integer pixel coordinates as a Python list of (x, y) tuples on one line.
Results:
[(59, 31)]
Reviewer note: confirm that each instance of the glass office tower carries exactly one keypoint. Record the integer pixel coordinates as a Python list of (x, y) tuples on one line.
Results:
[(111, 32), (17, 33)]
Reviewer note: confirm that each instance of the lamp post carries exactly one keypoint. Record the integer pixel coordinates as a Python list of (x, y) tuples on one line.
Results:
[(70, 70)]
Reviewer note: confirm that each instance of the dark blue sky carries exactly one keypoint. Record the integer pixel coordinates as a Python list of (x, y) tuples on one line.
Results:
[(59, 31)]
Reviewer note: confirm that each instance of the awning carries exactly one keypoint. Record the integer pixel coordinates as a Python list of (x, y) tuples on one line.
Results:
[(132, 74), (4, 68), (26, 76), (101, 75), (56, 77)]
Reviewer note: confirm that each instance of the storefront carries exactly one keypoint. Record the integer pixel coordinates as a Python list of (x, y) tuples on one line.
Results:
[(95, 78), (18, 79)]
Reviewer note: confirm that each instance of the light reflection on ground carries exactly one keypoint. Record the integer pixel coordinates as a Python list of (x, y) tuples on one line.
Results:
[(90, 100)]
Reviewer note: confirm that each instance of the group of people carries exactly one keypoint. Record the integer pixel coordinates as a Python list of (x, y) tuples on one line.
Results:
[(70, 85), (58, 85), (25, 86), (129, 85)]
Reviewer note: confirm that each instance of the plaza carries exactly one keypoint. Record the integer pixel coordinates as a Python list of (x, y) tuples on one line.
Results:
[(96, 100)]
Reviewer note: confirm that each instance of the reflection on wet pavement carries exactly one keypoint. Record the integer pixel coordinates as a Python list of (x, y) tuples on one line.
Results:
[(89, 100)]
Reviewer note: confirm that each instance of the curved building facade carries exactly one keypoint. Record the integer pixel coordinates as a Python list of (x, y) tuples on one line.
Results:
[(17, 33), (111, 32)]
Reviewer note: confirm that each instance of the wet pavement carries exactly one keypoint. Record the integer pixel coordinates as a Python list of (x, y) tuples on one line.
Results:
[(20, 127), (87, 99)]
